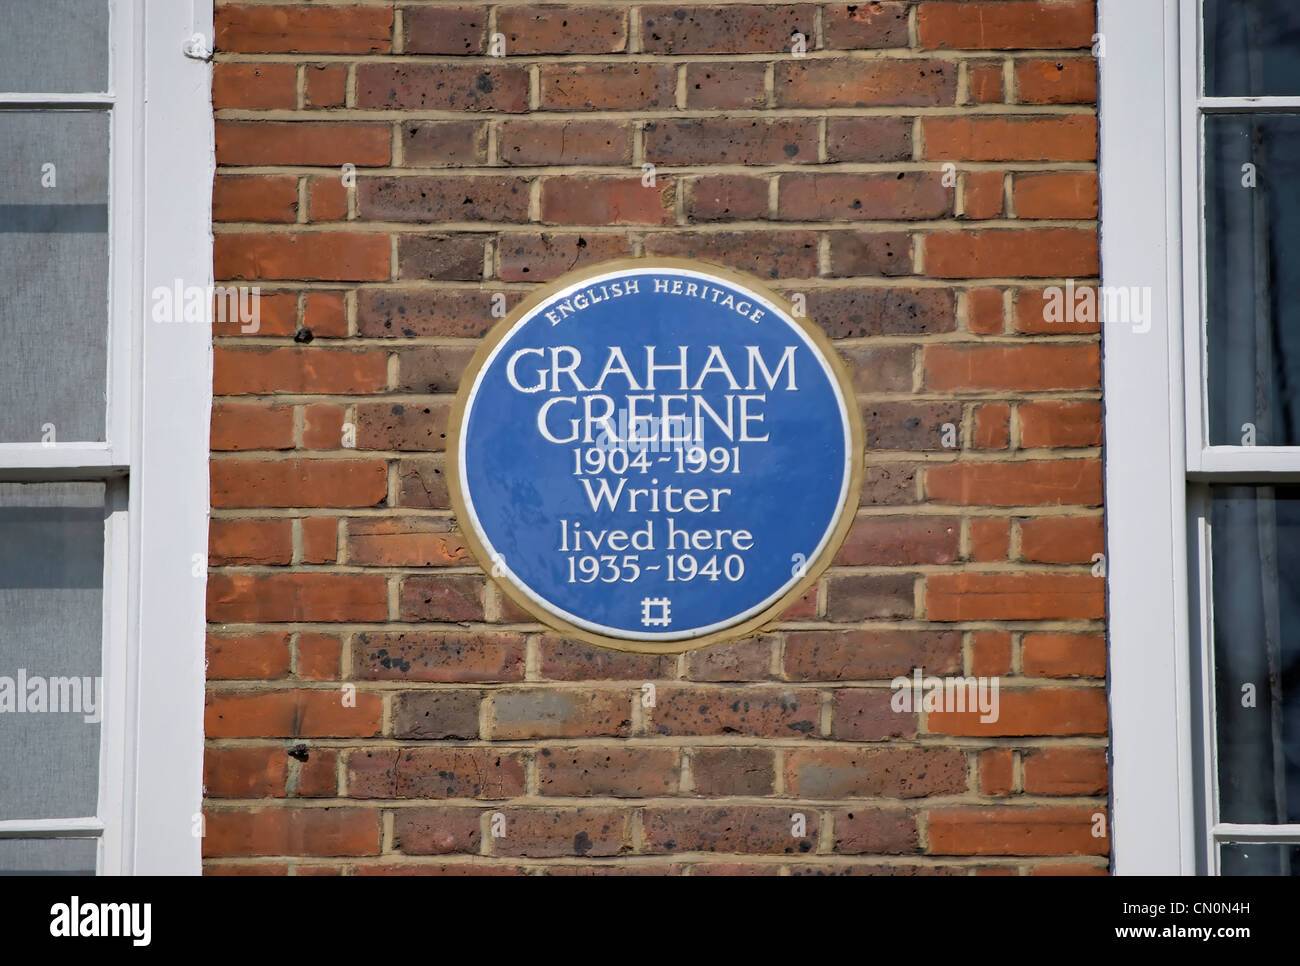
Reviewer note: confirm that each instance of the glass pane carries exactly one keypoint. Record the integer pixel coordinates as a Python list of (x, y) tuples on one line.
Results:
[(48, 856), (1255, 535), (54, 272), (1250, 47), (51, 617), (53, 46), (1258, 858), (1252, 232)]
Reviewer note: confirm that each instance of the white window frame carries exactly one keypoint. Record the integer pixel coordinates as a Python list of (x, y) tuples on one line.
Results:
[(155, 460), (1158, 458)]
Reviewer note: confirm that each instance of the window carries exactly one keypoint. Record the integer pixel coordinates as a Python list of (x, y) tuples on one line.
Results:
[(1241, 181), (102, 510)]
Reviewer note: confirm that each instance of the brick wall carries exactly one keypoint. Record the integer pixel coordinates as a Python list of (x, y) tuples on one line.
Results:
[(338, 567)]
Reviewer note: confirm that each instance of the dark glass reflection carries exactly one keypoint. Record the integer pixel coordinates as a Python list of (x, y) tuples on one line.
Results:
[(1252, 263), (1255, 533), (1250, 47)]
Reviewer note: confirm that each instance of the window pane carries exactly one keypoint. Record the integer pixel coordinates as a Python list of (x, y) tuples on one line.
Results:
[(53, 46), (48, 856), (1255, 535), (1252, 262), (51, 617), (54, 271), (1258, 858)]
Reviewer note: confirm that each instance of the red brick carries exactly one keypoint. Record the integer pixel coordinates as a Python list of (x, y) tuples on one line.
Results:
[(899, 541), (770, 712), (973, 596), (249, 542), (747, 829), (982, 194), (1066, 771), (443, 87), (241, 371), (436, 831), (405, 542), (326, 85), (849, 772), (562, 30), (865, 83), (325, 313), (863, 26), (258, 483), (608, 771), (254, 87), (1062, 194), (862, 597), (733, 771), (1013, 831), (318, 656), (854, 313), (1066, 81), (877, 138), (738, 29), (992, 429), (460, 29), (255, 198), (576, 200), (433, 369), (787, 254), (440, 257), (435, 772), (568, 660), (258, 771), (867, 714), (607, 87), (1005, 25), (868, 655), (437, 657), (1040, 482), (443, 198), (1046, 311), (327, 199), (247, 656), (530, 142), (322, 426), (549, 712), (1053, 423), (1027, 253), (444, 144), (1061, 539), (292, 714), (984, 81), (720, 140), (329, 256), (997, 771), (749, 659), (863, 197), (990, 539), (960, 368), (542, 256), (553, 832), (303, 142), (876, 831), (292, 831), (442, 598), (273, 598), (1050, 711), (1033, 138), (720, 86), (319, 540), (245, 426), (295, 29), (1063, 655), (984, 310), (990, 653)]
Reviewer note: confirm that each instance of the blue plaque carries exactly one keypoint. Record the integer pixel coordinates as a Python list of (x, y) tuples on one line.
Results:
[(655, 454)]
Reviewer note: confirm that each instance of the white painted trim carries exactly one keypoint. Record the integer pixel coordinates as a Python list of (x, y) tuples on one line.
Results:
[(46, 828), (169, 491), (1246, 103), (1152, 795)]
